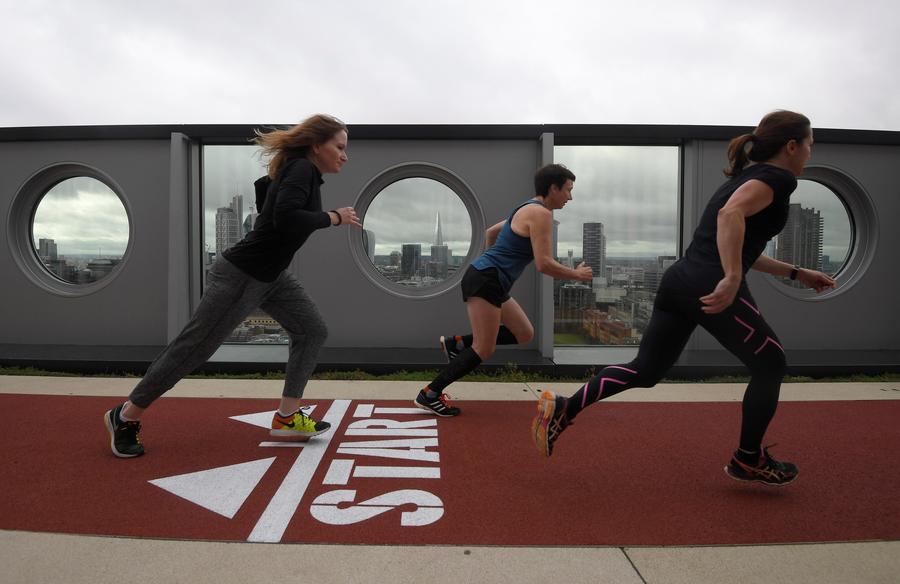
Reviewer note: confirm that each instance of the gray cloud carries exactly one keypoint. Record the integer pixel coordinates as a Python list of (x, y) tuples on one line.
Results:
[(398, 61)]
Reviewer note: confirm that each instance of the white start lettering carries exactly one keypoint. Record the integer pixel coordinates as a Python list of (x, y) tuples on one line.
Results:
[(409, 440)]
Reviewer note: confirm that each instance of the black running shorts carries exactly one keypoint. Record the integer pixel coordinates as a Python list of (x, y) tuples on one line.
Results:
[(483, 284)]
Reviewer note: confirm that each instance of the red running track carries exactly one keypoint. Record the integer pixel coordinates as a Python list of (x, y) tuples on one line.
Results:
[(626, 474)]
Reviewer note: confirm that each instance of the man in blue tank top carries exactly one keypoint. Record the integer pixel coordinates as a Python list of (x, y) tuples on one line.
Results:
[(497, 319)]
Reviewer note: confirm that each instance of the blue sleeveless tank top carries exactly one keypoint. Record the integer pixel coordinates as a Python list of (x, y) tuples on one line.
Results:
[(509, 254)]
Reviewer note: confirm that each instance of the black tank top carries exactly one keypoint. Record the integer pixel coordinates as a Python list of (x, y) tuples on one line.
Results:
[(703, 253)]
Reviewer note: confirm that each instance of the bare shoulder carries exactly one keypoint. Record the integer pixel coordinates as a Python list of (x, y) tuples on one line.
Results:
[(535, 213)]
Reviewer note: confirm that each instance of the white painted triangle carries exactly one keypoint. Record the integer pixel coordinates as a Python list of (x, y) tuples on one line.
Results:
[(264, 419), (222, 490)]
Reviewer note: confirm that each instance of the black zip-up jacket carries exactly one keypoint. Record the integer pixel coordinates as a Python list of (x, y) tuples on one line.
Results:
[(291, 212)]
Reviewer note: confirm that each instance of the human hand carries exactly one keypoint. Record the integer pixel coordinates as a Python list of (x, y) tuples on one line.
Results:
[(722, 297), (584, 272), (816, 280), (347, 216)]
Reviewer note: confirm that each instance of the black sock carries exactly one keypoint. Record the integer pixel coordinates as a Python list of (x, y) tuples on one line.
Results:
[(466, 361), (750, 458)]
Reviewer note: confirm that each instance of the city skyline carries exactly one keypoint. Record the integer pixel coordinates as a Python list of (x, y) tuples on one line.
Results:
[(82, 216)]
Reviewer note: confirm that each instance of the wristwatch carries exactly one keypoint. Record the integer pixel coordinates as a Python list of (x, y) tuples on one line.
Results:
[(794, 271)]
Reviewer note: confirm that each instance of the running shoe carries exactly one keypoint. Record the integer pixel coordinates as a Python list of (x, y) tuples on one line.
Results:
[(448, 345), (767, 471), (298, 426), (438, 405), (549, 422), (124, 437)]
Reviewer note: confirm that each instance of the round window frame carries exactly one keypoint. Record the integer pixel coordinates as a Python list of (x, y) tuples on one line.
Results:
[(397, 173), (863, 233), (21, 217)]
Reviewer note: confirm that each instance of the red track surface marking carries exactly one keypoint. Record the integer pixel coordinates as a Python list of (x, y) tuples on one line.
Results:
[(625, 474)]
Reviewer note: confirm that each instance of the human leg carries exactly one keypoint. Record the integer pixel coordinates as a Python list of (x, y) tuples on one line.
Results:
[(662, 343), (745, 333), (484, 318), (227, 300), (294, 310), (229, 297)]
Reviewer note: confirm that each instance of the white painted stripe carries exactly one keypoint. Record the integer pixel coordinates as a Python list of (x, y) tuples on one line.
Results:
[(411, 411), (397, 472), (389, 432), (295, 444), (281, 509), (338, 472), (364, 411)]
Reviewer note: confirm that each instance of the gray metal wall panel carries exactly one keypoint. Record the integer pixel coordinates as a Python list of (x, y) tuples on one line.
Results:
[(130, 310), (865, 317), (358, 313)]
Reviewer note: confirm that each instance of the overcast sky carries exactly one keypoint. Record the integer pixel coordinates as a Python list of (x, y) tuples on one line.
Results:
[(486, 62), (655, 61)]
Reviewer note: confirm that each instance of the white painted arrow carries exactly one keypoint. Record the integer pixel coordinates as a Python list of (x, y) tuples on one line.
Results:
[(222, 490), (264, 419)]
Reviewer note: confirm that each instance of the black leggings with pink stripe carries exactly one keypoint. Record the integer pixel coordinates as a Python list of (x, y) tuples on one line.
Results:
[(741, 329)]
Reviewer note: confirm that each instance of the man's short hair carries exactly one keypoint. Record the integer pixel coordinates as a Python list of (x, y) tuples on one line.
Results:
[(552, 174)]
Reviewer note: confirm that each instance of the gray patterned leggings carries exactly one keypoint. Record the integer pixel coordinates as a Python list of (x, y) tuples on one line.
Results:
[(229, 297)]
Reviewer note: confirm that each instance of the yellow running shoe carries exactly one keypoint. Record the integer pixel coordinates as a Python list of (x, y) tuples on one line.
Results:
[(297, 425)]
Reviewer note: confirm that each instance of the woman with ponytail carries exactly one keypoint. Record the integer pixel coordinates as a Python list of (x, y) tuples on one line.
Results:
[(253, 274), (707, 287)]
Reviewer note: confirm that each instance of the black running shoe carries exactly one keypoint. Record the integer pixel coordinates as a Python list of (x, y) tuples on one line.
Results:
[(438, 405), (448, 345), (124, 437), (767, 471), (549, 422)]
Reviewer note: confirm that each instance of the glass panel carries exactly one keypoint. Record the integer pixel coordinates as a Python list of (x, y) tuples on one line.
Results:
[(818, 233), (417, 232), (623, 222), (80, 230), (229, 213)]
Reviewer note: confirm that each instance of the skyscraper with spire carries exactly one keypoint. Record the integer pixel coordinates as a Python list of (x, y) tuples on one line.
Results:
[(440, 254)]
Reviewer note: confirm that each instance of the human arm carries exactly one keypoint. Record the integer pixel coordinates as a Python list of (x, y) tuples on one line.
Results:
[(749, 199), (492, 232), (291, 214), (539, 223), (819, 281)]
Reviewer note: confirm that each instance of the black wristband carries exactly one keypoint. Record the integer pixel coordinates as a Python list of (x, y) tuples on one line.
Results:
[(794, 271), (338, 215)]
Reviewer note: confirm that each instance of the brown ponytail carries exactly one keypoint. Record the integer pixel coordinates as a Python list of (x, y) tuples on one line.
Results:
[(773, 132), (296, 141)]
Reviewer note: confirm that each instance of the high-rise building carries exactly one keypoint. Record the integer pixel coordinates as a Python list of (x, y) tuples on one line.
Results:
[(369, 243), (47, 250), (237, 205), (410, 259), (593, 245), (800, 242), (250, 220), (228, 229), (652, 277), (440, 253), (555, 241)]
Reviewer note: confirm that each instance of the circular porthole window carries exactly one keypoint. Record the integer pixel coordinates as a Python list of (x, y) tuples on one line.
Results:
[(69, 229), (421, 227), (831, 227)]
